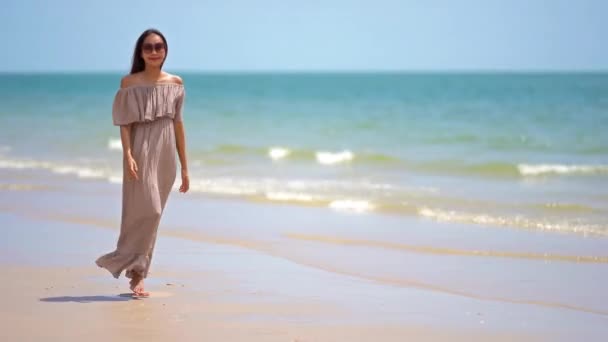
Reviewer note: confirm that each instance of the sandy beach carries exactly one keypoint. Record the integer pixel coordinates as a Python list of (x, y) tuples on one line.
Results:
[(227, 270), (368, 171)]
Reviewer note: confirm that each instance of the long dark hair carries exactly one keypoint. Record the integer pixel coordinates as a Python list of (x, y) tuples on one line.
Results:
[(138, 63)]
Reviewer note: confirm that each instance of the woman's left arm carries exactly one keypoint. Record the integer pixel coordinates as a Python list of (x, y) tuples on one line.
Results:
[(180, 140)]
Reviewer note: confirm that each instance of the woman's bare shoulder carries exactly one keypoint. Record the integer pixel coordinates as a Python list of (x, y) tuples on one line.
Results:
[(129, 80), (170, 78)]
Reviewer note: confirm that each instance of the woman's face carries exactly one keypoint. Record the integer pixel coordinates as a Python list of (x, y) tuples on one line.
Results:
[(153, 50)]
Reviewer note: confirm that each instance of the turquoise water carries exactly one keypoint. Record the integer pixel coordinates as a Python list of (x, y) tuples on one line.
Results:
[(522, 151)]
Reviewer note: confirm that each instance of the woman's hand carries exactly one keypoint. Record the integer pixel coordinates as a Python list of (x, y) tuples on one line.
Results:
[(131, 166), (185, 182)]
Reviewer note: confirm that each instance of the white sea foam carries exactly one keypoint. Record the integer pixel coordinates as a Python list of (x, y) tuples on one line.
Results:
[(331, 158), (515, 221), (81, 172), (224, 186), (289, 196), (276, 153), (115, 144), (352, 205), (115, 179), (23, 164), (272, 185), (63, 169), (560, 169)]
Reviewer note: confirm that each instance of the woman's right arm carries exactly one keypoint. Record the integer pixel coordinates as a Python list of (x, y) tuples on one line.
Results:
[(129, 161), (125, 138)]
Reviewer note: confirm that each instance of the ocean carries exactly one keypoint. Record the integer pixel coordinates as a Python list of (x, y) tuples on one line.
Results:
[(503, 150)]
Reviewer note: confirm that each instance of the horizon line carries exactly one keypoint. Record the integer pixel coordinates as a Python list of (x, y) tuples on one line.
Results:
[(321, 71)]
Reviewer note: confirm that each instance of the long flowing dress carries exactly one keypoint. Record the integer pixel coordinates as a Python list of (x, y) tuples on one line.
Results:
[(152, 111)]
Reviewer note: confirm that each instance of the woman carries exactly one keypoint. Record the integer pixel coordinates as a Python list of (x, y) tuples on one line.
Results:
[(148, 109)]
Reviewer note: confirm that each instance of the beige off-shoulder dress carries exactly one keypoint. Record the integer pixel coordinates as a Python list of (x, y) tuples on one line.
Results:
[(152, 111)]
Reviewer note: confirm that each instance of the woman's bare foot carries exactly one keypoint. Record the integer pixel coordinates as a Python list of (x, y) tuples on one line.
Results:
[(137, 286)]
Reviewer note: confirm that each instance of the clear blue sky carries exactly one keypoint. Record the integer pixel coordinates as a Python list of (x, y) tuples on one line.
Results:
[(236, 35)]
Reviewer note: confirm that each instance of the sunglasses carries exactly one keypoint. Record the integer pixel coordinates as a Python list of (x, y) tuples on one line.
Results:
[(148, 48)]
